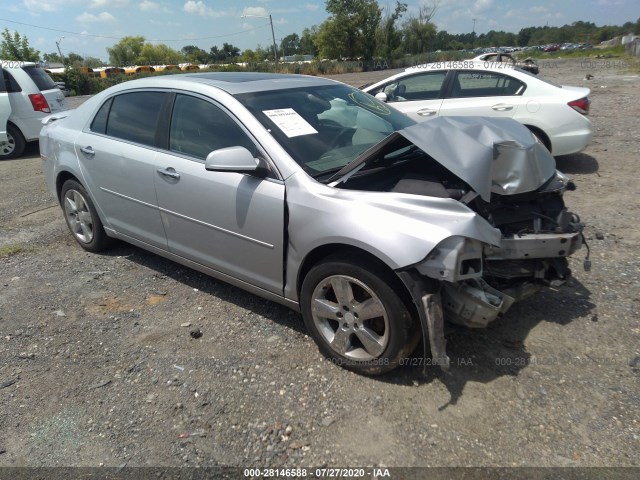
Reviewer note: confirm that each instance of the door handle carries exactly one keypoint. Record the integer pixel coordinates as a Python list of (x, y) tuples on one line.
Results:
[(426, 112), (88, 151), (502, 107), (169, 172)]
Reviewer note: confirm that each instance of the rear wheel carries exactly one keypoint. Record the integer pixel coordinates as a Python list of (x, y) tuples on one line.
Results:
[(355, 315), (82, 218), (14, 146)]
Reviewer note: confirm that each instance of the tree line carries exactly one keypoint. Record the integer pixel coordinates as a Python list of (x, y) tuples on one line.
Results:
[(354, 29)]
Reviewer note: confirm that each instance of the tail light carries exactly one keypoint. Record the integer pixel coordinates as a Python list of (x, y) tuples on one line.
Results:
[(581, 106), (39, 103)]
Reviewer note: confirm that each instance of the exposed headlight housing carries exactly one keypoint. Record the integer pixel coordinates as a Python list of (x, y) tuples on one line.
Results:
[(454, 259)]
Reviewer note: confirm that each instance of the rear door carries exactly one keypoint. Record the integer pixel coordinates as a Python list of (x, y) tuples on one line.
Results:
[(5, 108), (483, 93), (117, 157)]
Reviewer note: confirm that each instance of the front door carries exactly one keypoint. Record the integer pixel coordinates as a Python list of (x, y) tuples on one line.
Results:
[(417, 96), (231, 222)]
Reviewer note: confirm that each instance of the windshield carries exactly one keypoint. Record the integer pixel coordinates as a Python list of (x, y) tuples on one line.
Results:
[(324, 128)]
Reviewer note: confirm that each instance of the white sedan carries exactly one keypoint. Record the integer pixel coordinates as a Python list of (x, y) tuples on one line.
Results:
[(556, 114)]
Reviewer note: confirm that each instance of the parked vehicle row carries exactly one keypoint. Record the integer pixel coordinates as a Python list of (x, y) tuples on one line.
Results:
[(316, 195)]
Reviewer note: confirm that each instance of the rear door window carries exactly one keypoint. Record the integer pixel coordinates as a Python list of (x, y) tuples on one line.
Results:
[(485, 84), (42, 80), (134, 117), (99, 124)]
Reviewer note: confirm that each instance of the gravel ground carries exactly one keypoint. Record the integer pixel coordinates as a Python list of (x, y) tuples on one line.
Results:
[(106, 370)]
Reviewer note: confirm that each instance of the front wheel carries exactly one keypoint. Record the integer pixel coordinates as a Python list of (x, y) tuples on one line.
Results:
[(355, 315), (82, 218)]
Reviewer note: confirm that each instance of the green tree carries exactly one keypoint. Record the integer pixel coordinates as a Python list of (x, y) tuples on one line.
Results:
[(350, 30), (290, 44), (159, 54), (307, 41), (126, 51), (230, 51), (93, 62), (419, 32), (195, 54), (74, 60), (53, 57), (390, 37), (16, 47)]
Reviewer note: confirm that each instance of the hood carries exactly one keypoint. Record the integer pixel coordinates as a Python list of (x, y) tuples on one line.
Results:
[(492, 155)]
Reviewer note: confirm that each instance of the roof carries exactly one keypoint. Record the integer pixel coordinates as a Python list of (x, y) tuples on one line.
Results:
[(241, 82)]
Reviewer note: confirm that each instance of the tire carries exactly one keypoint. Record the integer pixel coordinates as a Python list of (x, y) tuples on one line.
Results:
[(82, 218), (333, 298), (15, 144)]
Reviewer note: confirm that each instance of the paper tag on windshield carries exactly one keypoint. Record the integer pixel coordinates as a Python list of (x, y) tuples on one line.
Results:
[(290, 122)]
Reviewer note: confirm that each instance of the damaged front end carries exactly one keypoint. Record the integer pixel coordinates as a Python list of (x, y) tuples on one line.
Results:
[(501, 172), (479, 282)]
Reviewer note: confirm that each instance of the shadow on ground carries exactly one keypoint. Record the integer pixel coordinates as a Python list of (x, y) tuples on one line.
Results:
[(578, 163), (477, 355)]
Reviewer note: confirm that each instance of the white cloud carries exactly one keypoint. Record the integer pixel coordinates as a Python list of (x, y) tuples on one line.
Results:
[(312, 7), (148, 5), (86, 17), (39, 6), (480, 6), (609, 3), (258, 11), (539, 9), (200, 8), (108, 3)]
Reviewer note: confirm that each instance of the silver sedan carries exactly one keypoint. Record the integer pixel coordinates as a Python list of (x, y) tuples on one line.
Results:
[(314, 194)]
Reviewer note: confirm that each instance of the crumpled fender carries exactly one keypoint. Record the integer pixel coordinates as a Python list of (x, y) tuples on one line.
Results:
[(399, 229)]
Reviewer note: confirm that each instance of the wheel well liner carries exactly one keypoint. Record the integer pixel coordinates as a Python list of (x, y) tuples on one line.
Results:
[(63, 177)]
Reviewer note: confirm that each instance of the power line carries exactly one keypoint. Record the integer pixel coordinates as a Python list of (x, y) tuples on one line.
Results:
[(120, 38)]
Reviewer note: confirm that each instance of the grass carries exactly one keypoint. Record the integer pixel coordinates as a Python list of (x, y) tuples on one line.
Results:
[(10, 250)]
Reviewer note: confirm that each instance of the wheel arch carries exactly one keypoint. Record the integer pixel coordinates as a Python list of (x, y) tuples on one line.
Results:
[(317, 255), (62, 177), (544, 138)]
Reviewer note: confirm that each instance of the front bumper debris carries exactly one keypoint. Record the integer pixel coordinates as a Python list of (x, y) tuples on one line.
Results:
[(474, 303)]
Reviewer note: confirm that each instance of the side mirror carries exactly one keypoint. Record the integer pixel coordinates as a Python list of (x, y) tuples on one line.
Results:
[(231, 159), (382, 96)]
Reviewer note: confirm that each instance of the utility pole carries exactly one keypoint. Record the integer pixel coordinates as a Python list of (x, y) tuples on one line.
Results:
[(273, 35), (60, 51)]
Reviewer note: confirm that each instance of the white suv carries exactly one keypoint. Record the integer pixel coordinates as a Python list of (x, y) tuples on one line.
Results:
[(27, 95)]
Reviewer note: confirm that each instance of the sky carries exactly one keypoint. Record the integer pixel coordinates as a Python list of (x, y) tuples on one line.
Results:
[(90, 26)]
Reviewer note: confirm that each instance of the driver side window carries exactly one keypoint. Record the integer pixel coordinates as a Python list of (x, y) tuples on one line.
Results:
[(199, 127), (424, 86)]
